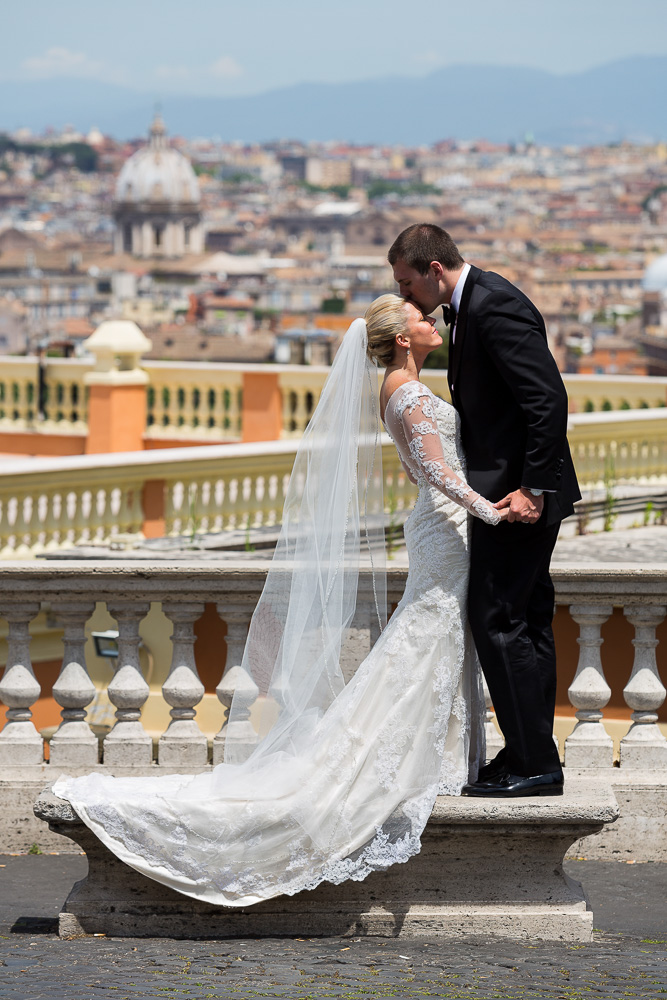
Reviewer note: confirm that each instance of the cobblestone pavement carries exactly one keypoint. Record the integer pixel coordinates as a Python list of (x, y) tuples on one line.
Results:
[(627, 958)]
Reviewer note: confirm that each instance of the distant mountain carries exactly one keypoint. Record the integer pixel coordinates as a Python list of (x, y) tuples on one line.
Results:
[(621, 100)]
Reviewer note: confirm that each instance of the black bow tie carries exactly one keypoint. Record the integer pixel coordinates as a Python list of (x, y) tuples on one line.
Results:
[(449, 314)]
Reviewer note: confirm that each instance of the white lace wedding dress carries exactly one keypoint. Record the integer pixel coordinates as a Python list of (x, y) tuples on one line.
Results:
[(354, 795)]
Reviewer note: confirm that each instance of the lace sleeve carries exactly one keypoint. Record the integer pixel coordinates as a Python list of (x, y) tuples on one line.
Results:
[(421, 433)]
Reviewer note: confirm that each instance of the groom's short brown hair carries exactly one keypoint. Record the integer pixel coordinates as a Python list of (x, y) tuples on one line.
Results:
[(422, 243)]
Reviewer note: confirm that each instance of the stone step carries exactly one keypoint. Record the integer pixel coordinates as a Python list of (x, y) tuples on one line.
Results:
[(487, 867)]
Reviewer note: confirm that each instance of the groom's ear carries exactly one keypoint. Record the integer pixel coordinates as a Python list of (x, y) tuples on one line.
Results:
[(436, 269)]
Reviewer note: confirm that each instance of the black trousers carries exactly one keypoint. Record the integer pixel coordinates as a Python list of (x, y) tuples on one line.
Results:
[(510, 608)]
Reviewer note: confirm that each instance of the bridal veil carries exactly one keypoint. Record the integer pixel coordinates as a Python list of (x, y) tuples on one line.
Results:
[(332, 518)]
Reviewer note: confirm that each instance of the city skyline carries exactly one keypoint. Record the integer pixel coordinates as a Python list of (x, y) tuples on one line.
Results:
[(220, 50)]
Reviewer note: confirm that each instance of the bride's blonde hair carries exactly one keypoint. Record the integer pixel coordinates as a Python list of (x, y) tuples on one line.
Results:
[(385, 319)]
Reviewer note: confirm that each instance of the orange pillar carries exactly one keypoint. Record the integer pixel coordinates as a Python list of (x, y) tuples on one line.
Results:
[(262, 407), (152, 504), (116, 417), (117, 388)]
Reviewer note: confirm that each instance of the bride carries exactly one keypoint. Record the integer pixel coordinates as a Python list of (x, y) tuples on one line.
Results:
[(343, 777)]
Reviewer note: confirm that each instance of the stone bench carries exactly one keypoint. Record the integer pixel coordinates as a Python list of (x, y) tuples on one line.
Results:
[(487, 867)]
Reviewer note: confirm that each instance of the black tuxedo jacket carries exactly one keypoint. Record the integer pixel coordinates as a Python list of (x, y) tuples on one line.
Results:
[(508, 391)]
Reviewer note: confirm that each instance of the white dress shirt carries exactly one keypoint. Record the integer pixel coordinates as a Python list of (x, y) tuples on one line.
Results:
[(456, 296)]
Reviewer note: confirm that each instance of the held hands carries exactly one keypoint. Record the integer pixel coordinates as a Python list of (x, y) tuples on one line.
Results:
[(522, 506)]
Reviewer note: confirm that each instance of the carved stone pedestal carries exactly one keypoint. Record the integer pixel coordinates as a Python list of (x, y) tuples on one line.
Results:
[(489, 867)]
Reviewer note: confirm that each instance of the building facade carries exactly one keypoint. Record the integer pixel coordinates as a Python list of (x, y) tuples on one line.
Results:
[(157, 202)]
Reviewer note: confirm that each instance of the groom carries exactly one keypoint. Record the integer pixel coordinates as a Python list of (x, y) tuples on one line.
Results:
[(512, 403)]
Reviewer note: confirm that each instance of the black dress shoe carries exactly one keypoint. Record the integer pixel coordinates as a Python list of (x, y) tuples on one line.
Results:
[(508, 785), (492, 769)]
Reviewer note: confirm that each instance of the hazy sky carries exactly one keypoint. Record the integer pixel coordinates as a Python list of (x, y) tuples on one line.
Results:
[(221, 48)]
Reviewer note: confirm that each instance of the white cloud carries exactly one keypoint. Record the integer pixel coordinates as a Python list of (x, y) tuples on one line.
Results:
[(226, 68), (59, 61)]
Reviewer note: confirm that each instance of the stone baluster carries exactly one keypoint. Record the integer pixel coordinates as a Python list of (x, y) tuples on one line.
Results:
[(589, 744), (183, 744), (301, 414), (128, 743), (235, 681), (79, 519), (236, 411), (162, 404), (286, 402), (73, 743), (235, 501), (20, 743), (23, 531), (54, 512), (255, 501), (99, 501), (6, 530), (644, 745), (210, 509), (192, 525), (172, 512), (23, 403), (494, 741), (135, 510)]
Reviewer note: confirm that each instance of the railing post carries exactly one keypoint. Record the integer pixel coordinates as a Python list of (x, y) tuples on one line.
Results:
[(262, 407), (73, 743), (183, 743), (20, 743), (128, 743), (153, 508), (644, 745), (235, 682), (589, 744)]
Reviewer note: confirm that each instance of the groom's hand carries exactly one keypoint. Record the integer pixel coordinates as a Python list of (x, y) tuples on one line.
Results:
[(523, 506)]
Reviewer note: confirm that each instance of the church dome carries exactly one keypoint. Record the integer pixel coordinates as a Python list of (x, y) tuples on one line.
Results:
[(157, 174), (655, 275)]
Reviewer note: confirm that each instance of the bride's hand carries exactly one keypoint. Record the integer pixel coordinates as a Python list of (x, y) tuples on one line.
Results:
[(504, 513)]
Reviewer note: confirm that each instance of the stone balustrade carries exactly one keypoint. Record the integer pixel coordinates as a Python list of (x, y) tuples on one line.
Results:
[(64, 395), (49, 504), (437, 894), (612, 449), (592, 393), (70, 591), (18, 393), (194, 401)]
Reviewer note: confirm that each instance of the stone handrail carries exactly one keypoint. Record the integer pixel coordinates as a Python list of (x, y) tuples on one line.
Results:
[(71, 590), (196, 401)]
